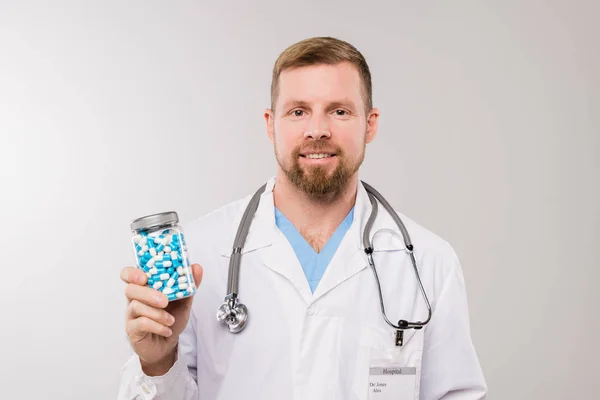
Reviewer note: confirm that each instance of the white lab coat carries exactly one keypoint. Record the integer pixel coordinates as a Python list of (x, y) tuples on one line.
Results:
[(303, 346)]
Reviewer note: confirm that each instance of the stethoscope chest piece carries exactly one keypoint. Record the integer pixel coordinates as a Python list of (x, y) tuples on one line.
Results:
[(234, 314)]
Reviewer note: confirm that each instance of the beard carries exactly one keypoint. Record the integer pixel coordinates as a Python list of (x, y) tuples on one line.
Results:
[(315, 181)]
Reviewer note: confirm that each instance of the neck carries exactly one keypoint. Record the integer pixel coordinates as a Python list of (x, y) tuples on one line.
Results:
[(308, 214)]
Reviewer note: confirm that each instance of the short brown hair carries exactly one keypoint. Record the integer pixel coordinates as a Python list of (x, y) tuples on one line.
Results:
[(322, 50)]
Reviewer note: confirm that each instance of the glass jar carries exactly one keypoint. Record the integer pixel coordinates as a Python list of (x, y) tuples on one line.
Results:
[(161, 252)]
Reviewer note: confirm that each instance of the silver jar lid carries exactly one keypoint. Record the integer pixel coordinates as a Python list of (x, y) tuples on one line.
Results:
[(154, 220)]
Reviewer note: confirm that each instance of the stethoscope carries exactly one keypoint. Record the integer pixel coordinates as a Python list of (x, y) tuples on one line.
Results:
[(235, 314)]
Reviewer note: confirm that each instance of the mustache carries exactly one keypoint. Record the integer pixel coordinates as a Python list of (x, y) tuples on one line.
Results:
[(318, 147)]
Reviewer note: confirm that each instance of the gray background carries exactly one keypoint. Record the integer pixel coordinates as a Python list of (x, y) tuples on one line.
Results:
[(489, 136)]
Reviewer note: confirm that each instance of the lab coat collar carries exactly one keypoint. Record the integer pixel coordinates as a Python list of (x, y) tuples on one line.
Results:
[(348, 260), (263, 225), (262, 228)]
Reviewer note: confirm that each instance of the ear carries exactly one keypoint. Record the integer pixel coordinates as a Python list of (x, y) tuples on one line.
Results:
[(372, 123), (269, 121)]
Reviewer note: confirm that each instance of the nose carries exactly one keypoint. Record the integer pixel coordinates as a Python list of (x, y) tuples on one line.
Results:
[(317, 134), (318, 128)]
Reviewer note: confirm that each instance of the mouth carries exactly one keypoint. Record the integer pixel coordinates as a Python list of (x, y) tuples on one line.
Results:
[(317, 156)]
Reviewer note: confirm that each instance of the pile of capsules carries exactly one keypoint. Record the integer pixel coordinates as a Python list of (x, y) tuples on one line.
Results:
[(163, 257)]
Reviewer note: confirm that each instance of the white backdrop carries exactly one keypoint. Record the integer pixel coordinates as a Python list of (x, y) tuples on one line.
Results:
[(489, 136)]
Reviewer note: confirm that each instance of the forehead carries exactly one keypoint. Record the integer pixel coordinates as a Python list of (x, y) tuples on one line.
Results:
[(320, 83)]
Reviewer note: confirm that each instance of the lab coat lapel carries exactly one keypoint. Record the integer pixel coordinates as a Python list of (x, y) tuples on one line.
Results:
[(280, 256), (350, 258), (271, 244), (282, 259)]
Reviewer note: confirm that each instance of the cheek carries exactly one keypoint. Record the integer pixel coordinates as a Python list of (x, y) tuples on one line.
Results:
[(351, 138), (287, 135), (283, 146)]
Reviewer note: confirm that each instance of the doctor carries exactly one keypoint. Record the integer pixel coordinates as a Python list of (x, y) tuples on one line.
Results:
[(315, 328)]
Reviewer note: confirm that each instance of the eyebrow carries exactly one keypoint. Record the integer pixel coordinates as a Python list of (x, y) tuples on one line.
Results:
[(335, 104)]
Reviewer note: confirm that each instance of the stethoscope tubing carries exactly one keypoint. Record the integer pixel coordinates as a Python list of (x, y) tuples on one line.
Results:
[(235, 314)]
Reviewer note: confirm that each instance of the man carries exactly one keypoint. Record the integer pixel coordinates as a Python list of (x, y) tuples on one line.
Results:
[(315, 329)]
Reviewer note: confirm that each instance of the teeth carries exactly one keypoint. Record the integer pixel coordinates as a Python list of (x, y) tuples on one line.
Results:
[(317, 155)]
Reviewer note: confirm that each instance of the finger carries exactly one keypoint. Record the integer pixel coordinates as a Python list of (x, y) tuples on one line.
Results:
[(146, 295), (138, 309), (197, 271), (143, 325), (133, 275)]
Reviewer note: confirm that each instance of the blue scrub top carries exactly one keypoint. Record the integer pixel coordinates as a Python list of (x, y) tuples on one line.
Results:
[(314, 264)]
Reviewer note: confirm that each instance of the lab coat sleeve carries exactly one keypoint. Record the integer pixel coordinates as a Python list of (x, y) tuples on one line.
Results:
[(179, 383), (450, 366)]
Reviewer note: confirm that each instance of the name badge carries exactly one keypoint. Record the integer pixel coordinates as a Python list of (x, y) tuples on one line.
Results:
[(392, 382)]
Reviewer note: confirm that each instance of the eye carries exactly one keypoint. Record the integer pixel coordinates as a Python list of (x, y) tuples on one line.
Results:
[(298, 113), (341, 113)]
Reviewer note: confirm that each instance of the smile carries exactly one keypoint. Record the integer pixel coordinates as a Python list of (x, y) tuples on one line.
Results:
[(317, 155)]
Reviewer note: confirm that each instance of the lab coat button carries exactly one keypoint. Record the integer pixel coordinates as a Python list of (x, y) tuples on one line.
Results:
[(145, 387), (148, 389), (311, 311)]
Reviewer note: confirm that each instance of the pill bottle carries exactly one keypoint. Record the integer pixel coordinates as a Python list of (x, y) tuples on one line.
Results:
[(161, 252)]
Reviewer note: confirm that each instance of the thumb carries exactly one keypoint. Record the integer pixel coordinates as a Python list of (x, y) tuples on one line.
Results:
[(197, 272)]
